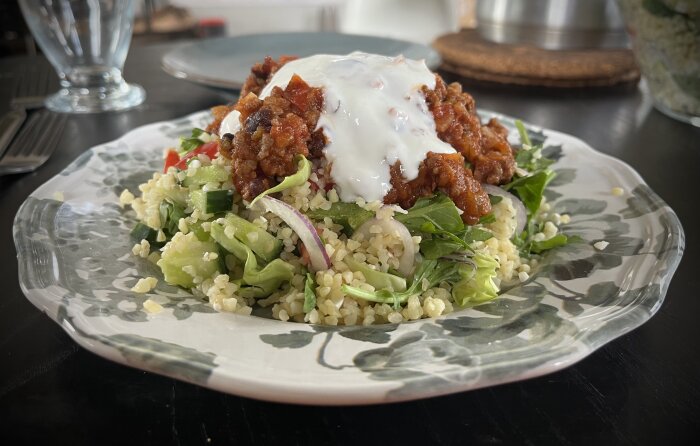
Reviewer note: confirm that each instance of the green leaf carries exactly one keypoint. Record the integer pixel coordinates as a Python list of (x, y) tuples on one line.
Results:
[(378, 279), (476, 286), (349, 215), (299, 178), (309, 293), (495, 199), (259, 240), (437, 247), (187, 250), (522, 131), (472, 234), (432, 215), (197, 138), (487, 219), (530, 189), (556, 241), (430, 271), (256, 281)]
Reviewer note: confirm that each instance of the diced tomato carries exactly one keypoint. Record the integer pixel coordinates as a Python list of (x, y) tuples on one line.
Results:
[(210, 149), (171, 159)]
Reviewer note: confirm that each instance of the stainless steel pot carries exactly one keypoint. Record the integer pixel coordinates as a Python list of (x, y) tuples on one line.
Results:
[(552, 24)]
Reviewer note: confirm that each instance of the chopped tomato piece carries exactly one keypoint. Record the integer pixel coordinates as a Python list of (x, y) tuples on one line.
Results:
[(210, 149), (171, 159)]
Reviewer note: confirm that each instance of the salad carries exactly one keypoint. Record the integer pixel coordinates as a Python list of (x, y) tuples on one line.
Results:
[(344, 190)]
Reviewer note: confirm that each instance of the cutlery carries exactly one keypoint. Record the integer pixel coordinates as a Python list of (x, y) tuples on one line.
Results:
[(31, 87), (34, 144), (10, 123)]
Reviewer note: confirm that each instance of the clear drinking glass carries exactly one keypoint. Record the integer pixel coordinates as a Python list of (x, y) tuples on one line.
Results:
[(86, 41)]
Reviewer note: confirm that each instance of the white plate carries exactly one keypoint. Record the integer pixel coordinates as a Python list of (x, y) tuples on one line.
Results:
[(75, 265), (225, 62)]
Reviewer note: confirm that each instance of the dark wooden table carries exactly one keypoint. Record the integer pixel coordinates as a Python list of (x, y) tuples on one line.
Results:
[(642, 388)]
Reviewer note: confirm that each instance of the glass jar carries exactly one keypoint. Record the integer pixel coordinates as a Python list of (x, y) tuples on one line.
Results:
[(666, 39)]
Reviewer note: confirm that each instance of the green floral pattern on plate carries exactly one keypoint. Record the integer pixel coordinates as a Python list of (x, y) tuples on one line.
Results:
[(75, 265)]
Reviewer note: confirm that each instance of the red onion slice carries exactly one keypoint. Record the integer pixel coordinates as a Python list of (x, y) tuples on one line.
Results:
[(408, 258), (520, 211), (303, 228)]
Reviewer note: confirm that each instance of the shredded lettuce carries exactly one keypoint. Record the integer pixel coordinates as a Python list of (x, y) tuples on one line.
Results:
[(187, 252), (259, 240), (478, 285), (428, 274), (256, 281), (378, 279), (297, 179), (263, 282)]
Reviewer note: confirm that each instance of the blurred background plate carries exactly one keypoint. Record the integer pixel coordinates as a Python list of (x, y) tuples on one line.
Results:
[(225, 62)]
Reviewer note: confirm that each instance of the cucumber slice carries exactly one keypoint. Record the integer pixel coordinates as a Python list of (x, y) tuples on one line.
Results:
[(206, 174), (142, 231), (212, 201)]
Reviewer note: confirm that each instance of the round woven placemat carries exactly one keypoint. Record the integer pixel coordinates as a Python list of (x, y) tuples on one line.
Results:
[(465, 53)]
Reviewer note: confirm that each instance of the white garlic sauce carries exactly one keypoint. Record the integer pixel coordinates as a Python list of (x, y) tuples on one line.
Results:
[(374, 115)]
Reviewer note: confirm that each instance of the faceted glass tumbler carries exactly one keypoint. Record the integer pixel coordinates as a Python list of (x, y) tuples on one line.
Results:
[(86, 41)]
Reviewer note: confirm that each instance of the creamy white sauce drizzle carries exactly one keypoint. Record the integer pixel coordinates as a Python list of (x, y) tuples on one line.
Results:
[(231, 123), (374, 115)]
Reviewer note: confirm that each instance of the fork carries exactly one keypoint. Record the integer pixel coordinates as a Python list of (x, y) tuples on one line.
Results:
[(34, 144), (31, 85)]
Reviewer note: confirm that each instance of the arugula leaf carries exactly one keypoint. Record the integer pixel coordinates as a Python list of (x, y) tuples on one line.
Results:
[(349, 215), (529, 156), (522, 131), (432, 215), (488, 218), (300, 177), (472, 234), (435, 248), (554, 242), (531, 189), (495, 199), (309, 293)]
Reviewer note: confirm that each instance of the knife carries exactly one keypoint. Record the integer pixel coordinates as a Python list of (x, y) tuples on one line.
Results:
[(10, 123)]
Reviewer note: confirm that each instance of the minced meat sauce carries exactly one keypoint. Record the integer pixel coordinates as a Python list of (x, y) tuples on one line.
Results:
[(283, 124)]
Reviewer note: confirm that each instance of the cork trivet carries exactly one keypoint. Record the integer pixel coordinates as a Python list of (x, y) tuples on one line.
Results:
[(467, 54)]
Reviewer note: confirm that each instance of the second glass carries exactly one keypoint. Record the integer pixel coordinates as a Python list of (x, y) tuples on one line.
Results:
[(86, 41)]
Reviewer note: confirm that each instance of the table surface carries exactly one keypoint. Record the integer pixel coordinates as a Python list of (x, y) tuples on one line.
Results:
[(639, 389)]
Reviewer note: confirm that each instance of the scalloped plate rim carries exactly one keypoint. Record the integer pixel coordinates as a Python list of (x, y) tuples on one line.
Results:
[(225, 380)]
